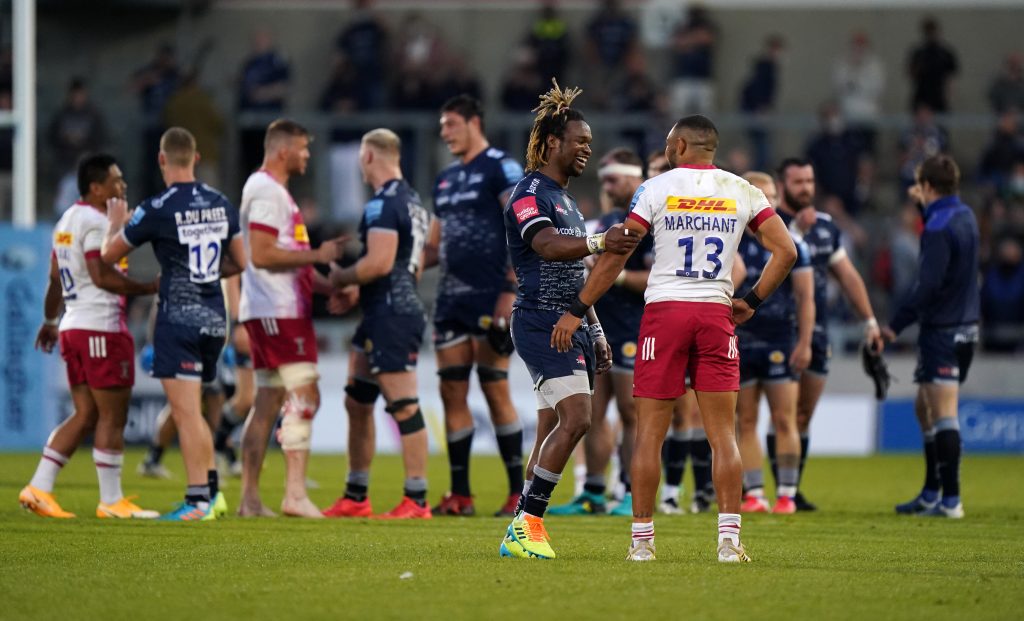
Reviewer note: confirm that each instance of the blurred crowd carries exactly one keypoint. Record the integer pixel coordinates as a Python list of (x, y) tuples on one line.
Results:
[(380, 65)]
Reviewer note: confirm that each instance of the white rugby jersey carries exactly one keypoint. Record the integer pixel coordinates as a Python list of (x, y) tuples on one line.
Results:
[(79, 236), (285, 294), (697, 215)]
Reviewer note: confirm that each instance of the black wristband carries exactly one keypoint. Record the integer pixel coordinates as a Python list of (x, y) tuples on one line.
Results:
[(752, 300), (578, 309), (509, 287)]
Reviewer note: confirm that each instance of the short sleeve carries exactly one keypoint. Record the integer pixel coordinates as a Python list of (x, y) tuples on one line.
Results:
[(511, 173), (141, 228), (265, 215), (531, 211), (640, 208), (760, 209), (92, 239), (838, 251), (381, 214), (803, 254), (234, 227)]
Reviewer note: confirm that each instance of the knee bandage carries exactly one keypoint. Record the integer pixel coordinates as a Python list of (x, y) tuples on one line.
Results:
[(296, 423), (456, 373), (491, 374), (412, 424), (296, 374), (363, 391)]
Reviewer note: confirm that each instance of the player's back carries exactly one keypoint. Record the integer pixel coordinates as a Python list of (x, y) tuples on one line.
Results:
[(396, 207), (284, 294), (78, 236), (474, 257), (189, 226), (697, 216)]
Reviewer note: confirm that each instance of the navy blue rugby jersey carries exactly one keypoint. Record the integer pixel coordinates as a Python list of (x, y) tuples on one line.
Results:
[(775, 319), (190, 226), (824, 244), (395, 207), (467, 199), (538, 202)]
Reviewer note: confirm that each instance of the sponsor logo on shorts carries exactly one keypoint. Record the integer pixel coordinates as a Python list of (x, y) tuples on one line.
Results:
[(734, 350), (300, 346), (949, 371), (367, 346), (696, 204), (647, 352), (629, 349), (580, 360), (269, 326), (525, 208), (125, 367), (776, 357), (97, 347), (484, 321), (189, 365)]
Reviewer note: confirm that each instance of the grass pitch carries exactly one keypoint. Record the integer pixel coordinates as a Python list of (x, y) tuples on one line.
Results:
[(854, 559)]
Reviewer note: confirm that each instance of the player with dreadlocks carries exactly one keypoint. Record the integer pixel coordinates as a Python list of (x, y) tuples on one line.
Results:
[(547, 241)]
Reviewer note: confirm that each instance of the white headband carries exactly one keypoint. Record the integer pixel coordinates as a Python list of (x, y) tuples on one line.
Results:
[(617, 168)]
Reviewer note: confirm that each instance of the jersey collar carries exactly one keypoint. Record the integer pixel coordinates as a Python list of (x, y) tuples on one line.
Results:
[(942, 203), (698, 166)]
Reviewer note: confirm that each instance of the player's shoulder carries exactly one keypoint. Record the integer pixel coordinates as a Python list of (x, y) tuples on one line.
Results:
[(531, 184), (213, 194), (493, 153), (262, 185)]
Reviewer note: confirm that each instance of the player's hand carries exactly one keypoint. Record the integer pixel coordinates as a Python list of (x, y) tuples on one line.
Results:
[(331, 249), (603, 354), (117, 212), (741, 311), (561, 336), (503, 309), (343, 300), (800, 358), (914, 193), (620, 240), (154, 287), (47, 338), (873, 337), (888, 335)]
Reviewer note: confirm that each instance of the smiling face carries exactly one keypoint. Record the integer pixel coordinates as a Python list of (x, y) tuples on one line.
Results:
[(572, 152)]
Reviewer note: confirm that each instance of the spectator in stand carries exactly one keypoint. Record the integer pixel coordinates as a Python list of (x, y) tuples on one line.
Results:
[(636, 91), (922, 140), (78, 128), (345, 94), (460, 79), (692, 87), (932, 66), (363, 43), (193, 108), (858, 79), (1007, 90), (549, 40), (1003, 152), (757, 99), (835, 154), (263, 88), (523, 82), (1002, 299), (154, 83), (421, 62), (611, 37)]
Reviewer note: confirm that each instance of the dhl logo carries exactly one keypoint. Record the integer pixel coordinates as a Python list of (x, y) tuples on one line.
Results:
[(62, 238), (301, 235), (705, 205)]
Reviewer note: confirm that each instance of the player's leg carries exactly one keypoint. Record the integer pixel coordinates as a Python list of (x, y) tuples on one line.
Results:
[(782, 398), (270, 395), (163, 435), (674, 451), (455, 364), (301, 404), (108, 454), (930, 491), (37, 496), (492, 372), (716, 410), (622, 384), (700, 459), (598, 445), (237, 408), (361, 392), (942, 398), (547, 420), (747, 409), (185, 399), (812, 386), (653, 417), (399, 390)]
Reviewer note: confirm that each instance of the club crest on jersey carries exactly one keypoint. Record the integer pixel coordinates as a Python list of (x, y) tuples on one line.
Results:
[(701, 205), (525, 208)]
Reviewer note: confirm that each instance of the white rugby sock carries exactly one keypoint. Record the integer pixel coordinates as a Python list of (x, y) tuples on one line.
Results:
[(729, 527), (48, 469), (108, 471), (643, 531), (669, 491)]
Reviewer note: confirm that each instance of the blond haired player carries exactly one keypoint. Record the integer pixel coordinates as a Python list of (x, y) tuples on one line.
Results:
[(94, 342), (697, 214)]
